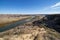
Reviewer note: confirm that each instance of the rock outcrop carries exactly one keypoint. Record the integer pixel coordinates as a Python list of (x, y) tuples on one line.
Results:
[(53, 21), (27, 33), (50, 21)]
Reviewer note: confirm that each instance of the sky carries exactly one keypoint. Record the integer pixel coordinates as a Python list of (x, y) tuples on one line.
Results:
[(29, 6)]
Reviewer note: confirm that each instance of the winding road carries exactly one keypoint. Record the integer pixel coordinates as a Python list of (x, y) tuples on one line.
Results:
[(20, 22)]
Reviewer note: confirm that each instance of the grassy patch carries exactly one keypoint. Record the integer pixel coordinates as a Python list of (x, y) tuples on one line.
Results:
[(52, 32), (8, 20), (7, 23)]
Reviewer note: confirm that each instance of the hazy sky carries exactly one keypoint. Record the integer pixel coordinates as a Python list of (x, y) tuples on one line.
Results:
[(29, 6)]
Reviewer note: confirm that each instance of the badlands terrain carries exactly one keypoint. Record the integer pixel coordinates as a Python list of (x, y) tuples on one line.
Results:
[(31, 30)]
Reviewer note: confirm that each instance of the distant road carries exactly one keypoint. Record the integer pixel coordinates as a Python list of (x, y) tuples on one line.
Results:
[(20, 22)]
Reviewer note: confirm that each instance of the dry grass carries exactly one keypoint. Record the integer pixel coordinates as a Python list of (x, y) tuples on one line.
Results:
[(8, 20), (52, 32)]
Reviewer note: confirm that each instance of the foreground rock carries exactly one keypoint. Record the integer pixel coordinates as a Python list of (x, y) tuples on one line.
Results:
[(27, 33)]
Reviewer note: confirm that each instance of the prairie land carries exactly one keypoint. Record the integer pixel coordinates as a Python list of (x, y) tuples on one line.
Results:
[(5, 20)]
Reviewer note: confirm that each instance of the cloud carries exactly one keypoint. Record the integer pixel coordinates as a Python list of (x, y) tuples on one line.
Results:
[(56, 5), (53, 7)]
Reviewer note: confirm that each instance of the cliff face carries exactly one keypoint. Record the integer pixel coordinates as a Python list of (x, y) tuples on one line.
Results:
[(28, 33), (53, 21)]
